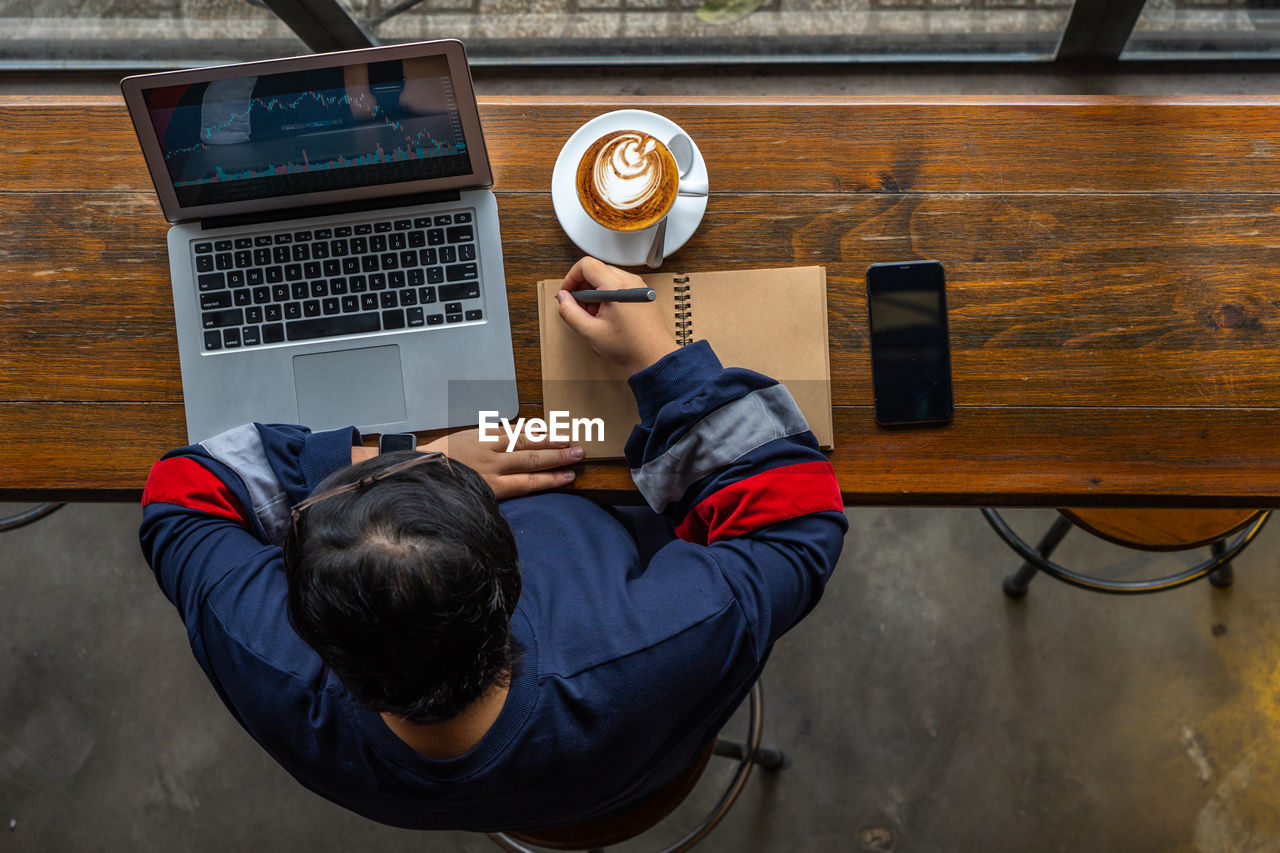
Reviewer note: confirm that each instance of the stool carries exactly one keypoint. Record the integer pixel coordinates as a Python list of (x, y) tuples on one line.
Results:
[(1144, 529), (595, 835)]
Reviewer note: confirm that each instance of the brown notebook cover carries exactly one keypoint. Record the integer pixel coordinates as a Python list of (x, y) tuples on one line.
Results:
[(773, 321)]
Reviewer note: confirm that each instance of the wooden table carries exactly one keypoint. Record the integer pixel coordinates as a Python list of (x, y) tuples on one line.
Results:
[(1113, 271)]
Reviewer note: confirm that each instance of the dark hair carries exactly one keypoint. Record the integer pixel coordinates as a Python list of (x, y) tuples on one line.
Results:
[(405, 587)]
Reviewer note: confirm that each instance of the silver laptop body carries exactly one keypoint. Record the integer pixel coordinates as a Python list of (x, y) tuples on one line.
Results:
[(337, 256)]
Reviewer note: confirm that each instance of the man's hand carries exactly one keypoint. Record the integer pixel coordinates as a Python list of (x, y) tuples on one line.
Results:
[(633, 335), (530, 467)]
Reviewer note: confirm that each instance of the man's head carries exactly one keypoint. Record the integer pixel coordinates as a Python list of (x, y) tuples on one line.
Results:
[(405, 586)]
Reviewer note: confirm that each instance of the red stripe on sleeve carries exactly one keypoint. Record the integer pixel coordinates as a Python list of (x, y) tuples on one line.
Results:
[(184, 481), (762, 499)]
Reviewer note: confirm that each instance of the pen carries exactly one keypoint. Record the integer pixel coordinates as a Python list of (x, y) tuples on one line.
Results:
[(629, 294)]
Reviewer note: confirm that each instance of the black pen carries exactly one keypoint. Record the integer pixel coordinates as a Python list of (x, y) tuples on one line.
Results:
[(629, 294)]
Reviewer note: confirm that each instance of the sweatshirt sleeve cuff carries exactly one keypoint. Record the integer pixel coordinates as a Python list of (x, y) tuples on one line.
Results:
[(326, 452), (673, 376)]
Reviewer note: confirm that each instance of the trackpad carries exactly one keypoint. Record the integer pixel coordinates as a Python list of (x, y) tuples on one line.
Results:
[(360, 386)]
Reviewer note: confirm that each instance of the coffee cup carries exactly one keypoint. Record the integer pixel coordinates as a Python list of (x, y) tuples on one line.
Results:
[(628, 181)]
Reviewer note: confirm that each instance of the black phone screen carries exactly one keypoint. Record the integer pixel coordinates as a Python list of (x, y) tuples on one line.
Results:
[(910, 355)]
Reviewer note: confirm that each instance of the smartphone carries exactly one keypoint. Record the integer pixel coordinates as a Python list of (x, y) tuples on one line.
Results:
[(910, 353)]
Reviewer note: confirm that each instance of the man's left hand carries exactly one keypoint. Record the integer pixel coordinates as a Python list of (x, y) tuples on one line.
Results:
[(529, 467)]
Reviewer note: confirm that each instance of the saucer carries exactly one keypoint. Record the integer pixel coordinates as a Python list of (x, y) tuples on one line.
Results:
[(630, 248)]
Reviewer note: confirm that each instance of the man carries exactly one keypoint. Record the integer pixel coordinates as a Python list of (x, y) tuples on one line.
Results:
[(430, 658)]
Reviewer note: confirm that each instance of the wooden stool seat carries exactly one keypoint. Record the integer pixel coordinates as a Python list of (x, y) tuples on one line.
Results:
[(1161, 529), (616, 828)]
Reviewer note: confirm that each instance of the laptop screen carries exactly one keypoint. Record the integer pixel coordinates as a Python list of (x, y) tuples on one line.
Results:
[(263, 135)]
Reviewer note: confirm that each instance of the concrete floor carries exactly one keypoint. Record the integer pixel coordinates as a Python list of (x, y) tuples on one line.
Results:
[(922, 710)]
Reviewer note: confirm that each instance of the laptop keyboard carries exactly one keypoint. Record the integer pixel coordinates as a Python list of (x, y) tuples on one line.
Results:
[(304, 285)]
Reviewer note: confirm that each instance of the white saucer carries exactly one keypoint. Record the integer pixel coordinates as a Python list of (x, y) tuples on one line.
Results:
[(626, 249)]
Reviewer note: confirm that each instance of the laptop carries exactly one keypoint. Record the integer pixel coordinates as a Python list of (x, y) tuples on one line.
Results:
[(336, 256)]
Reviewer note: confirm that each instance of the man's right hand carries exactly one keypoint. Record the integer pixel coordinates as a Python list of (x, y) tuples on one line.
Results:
[(631, 334)]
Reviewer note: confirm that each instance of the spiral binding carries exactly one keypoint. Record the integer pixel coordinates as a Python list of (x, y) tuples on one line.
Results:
[(683, 313)]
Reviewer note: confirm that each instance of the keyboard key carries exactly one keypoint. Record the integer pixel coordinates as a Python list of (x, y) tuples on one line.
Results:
[(284, 238), (204, 263), (460, 234), (235, 278), (453, 318), (427, 257), (368, 302), (342, 231), (320, 250), (408, 297), (262, 257), (222, 246), (223, 261), (311, 269), (426, 295), (280, 292), (339, 248), (452, 307), (342, 324), (422, 222), (231, 338), (213, 340), (323, 233), (397, 241), (460, 272), (350, 303), (311, 308), (292, 310), (359, 246), (275, 274), (387, 299), (462, 217), (435, 275), (331, 305), (448, 254), (299, 290), (244, 258), (254, 276), (467, 252), (417, 239), (377, 243), (359, 284), (301, 252), (396, 278), (338, 286), (253, 315), (244, 242), (450, 292), (213, 301), (261, 295), (381, 227), (280, 255), (273, 334), (435, 319), (415, 318), (390, 261), (302, 235), (217, 319), (293, 272), (204, 248), (417, 278), (350, 266), (403, 224), (435, 237), (443, 219), (319, 288), (249, 334), (378, 281), (364, 229), (274, 313), (393, 319), (408, 259), (211, 281), (369, 263), (242, 298), (262, 240), (474, 314)]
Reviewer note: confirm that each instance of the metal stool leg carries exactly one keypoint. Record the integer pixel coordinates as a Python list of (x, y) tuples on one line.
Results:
[(767, 756), (1015, 585), (1222, 576)]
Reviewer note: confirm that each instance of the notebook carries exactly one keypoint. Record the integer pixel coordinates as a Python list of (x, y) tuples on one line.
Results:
[(773, 321), (336, 257)]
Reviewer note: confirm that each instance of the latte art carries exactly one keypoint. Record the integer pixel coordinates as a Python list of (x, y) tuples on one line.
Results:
[(627, 180)]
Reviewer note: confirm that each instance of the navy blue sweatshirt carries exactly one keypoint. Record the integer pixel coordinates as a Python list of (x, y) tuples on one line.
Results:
[(628, 668)]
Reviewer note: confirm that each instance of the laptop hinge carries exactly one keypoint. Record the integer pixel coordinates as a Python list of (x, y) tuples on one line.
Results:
[(329, 209)]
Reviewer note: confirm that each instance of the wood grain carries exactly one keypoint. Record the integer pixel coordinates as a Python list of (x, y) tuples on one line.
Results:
[(1115, 317)]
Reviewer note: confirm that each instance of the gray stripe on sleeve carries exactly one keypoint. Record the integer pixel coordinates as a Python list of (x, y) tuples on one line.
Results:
[(241, 450), (730, 431)]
